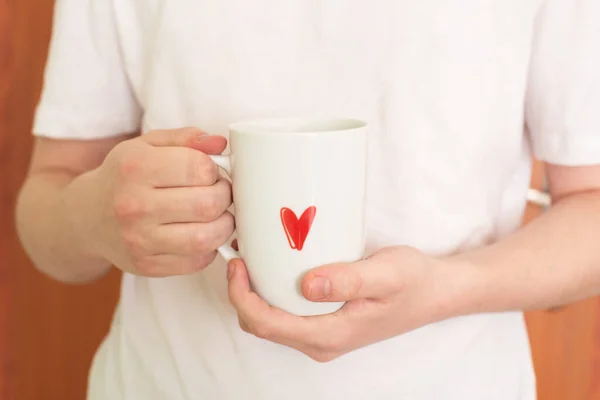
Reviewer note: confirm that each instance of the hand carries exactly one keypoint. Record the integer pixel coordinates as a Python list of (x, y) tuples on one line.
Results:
[(157, 205), (392, 292)]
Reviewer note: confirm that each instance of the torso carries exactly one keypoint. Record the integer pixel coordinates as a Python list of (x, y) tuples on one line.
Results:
[(442, 84)]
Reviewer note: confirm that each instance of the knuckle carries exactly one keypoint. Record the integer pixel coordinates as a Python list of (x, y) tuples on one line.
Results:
[(189, 135), (209, 169), (210, 208), (229, 222), (353, 285), (200, 263), (200, 239), (207, 259), (201, 168), (127, 207), (228, 191), (133, 242), (129, 163)]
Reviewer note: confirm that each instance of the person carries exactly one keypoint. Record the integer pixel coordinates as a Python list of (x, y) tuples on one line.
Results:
[(459, 97)]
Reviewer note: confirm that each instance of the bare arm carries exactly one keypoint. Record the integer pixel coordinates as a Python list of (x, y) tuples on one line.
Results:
[(42, 216), (552, 261), (152, 205)]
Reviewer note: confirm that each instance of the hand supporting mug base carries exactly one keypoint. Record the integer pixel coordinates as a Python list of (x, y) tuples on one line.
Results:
[(299, 190)]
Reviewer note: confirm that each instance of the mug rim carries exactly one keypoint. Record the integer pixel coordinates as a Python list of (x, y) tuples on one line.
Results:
[(304, 126)]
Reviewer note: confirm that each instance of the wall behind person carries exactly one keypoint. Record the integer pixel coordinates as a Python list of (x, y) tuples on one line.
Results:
[(5, 276), (56, 328)]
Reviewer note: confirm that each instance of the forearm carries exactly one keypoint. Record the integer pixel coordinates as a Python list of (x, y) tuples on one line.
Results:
[(46, 230), (554, 260)]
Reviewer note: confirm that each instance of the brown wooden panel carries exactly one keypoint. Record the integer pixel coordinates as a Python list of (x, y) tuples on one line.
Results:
[(563, 345), (58, 327), (5, 272)]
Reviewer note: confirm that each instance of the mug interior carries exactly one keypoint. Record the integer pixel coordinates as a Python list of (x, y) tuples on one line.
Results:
[(296, 125)]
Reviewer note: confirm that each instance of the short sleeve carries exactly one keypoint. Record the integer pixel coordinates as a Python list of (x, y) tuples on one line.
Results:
[(563, 96), (86, 92)]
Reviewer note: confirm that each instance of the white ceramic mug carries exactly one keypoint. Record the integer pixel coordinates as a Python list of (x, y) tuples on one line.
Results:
[(299, 188)]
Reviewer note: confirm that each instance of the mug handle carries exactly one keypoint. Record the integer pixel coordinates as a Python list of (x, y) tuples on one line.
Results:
[(226, 251)]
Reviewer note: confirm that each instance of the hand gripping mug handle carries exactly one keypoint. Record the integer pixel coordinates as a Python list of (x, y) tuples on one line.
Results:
[(226, 251)]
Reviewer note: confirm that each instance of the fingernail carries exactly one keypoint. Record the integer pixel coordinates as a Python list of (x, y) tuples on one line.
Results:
[(230, 270), (320, 288)]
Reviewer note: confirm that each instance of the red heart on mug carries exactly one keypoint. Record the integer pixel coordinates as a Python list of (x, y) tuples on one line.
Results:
[(296, 229)]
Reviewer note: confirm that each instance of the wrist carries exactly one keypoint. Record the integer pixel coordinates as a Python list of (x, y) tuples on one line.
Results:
[(78, 203), (464, 285)]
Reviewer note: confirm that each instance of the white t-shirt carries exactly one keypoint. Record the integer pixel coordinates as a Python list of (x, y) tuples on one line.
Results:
[(457, 94)]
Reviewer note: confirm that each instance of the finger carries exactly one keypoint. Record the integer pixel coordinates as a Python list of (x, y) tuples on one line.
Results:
[(192, 204), (268, 322), (164, 265), (343, 282), (235, 245), (179, 167), (248, 304), (191, 137), (192, 238)]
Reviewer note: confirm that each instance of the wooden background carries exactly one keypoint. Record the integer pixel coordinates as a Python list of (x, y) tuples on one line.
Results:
[(55, 328), (5, 277), (49, 332)]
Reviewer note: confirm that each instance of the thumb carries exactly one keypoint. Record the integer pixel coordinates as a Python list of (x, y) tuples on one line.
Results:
[(186, 137), (367, 279)]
